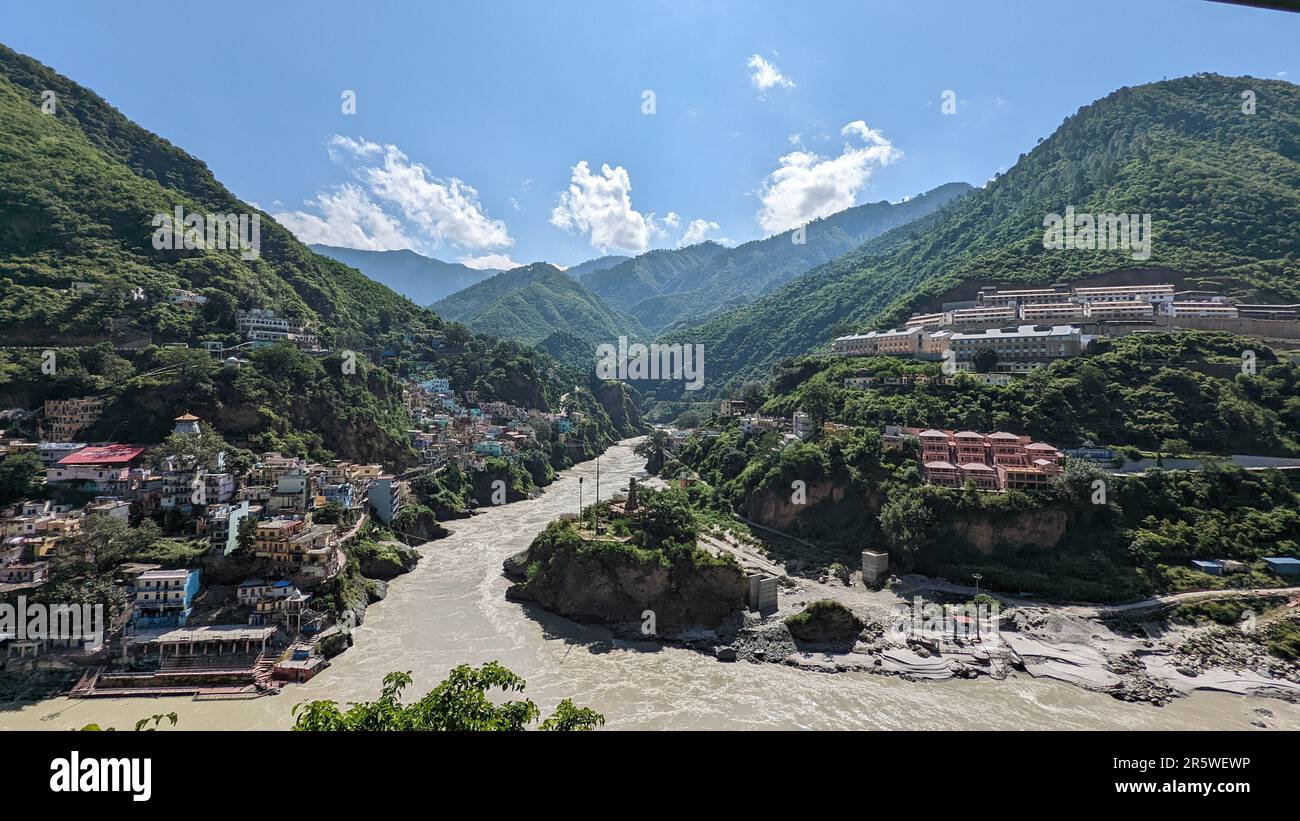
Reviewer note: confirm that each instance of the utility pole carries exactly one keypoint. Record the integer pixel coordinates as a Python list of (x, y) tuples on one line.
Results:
[(597, 480), (977, 577), (579, 500)]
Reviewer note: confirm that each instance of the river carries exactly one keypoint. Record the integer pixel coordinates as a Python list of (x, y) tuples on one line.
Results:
[(452, 609)]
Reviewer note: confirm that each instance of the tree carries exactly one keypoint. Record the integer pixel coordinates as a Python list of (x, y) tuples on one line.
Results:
[(819, 401), (190, 450), (985, 360), (247, 536), (330, 513), (905, 520), (667, 518), (18, 477), (459, 703), (688, 419)]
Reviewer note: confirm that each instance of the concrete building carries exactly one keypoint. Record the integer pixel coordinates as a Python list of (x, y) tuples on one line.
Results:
[(223, 523), (1199, 310), (386, 498), (1020, 342), (65, 419), (164, 598), (1155, 294), (985, 315), (1130, 309)]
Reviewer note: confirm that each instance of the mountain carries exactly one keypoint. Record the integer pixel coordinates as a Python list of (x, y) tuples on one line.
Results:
[(592, 265), (421, 279), (79, 190), (1222, 188), (663, 287), (80, 275), (530, 303)]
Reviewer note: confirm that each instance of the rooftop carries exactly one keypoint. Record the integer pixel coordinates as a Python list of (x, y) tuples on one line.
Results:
[(103, 455)]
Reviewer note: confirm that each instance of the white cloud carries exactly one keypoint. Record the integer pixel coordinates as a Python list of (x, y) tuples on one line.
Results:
[(500, 261), (672, 219), (600, 206), (806, 186), (697, 231), (429, 212), (347, 218), (766, 75)]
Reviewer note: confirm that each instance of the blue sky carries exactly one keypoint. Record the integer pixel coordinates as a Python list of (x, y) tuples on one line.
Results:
[(473, 122)]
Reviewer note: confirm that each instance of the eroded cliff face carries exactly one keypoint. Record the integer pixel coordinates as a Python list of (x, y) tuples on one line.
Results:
[(777, 508), (1039, 528), (592, 584)]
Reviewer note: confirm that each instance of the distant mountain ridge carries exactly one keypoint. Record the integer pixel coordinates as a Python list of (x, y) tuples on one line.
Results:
[(663, 287), (421, 279), (592, 265), (533, 302), (1223, 188)]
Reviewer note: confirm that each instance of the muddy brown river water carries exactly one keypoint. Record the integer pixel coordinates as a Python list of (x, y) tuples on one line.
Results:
[(452, 609)]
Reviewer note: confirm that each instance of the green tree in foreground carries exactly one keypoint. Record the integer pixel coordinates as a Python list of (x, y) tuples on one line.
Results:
[(459, 703)]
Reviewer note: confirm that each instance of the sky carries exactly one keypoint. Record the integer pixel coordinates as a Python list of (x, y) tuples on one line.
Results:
[(496, 133)]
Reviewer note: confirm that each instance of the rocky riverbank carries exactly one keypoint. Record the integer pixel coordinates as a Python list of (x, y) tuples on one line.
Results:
[(830, 626)]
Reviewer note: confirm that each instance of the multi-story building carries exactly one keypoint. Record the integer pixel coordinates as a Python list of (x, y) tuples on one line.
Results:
[(1128, 309), (1291, 312), (985, 315), (1050, 311), (164, 598), (893, 342), (65, 419), (929, 322), (1155, 294), (386, 498), (1199, 310), (993, 296), (223, 522), (802, 424), (1020, 342), (261, 324), (998, 461)]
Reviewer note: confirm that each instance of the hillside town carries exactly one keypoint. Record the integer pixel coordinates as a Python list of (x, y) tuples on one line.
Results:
[(286, 518)]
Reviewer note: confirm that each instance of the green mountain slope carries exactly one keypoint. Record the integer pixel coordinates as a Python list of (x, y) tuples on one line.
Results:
[(592, 265), (663, 287), (419, 278), (79, 189), (1222, 188), (529, 303)]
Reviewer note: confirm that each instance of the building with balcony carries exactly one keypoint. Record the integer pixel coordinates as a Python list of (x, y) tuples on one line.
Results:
[(163, 598)]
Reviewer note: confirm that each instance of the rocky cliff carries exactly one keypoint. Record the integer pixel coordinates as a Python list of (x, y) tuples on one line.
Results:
[(612, 582)]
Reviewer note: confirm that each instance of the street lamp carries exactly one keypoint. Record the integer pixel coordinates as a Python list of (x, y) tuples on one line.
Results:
[(977, 577)]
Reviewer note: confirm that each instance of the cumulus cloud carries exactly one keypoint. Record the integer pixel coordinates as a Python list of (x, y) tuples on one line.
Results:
[(697, 231), (806, 186), (348, 218), (428, 212), (766, 76), (600, 206), (501, 262)]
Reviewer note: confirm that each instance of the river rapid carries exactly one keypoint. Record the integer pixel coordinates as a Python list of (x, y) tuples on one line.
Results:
[(452, 609)]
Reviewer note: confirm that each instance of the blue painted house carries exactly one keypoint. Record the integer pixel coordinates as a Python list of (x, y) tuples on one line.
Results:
[(164, 598)]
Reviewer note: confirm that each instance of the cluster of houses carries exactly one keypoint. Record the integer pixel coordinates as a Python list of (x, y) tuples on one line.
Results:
[(993, 462), (270, 509), (466, 432)]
